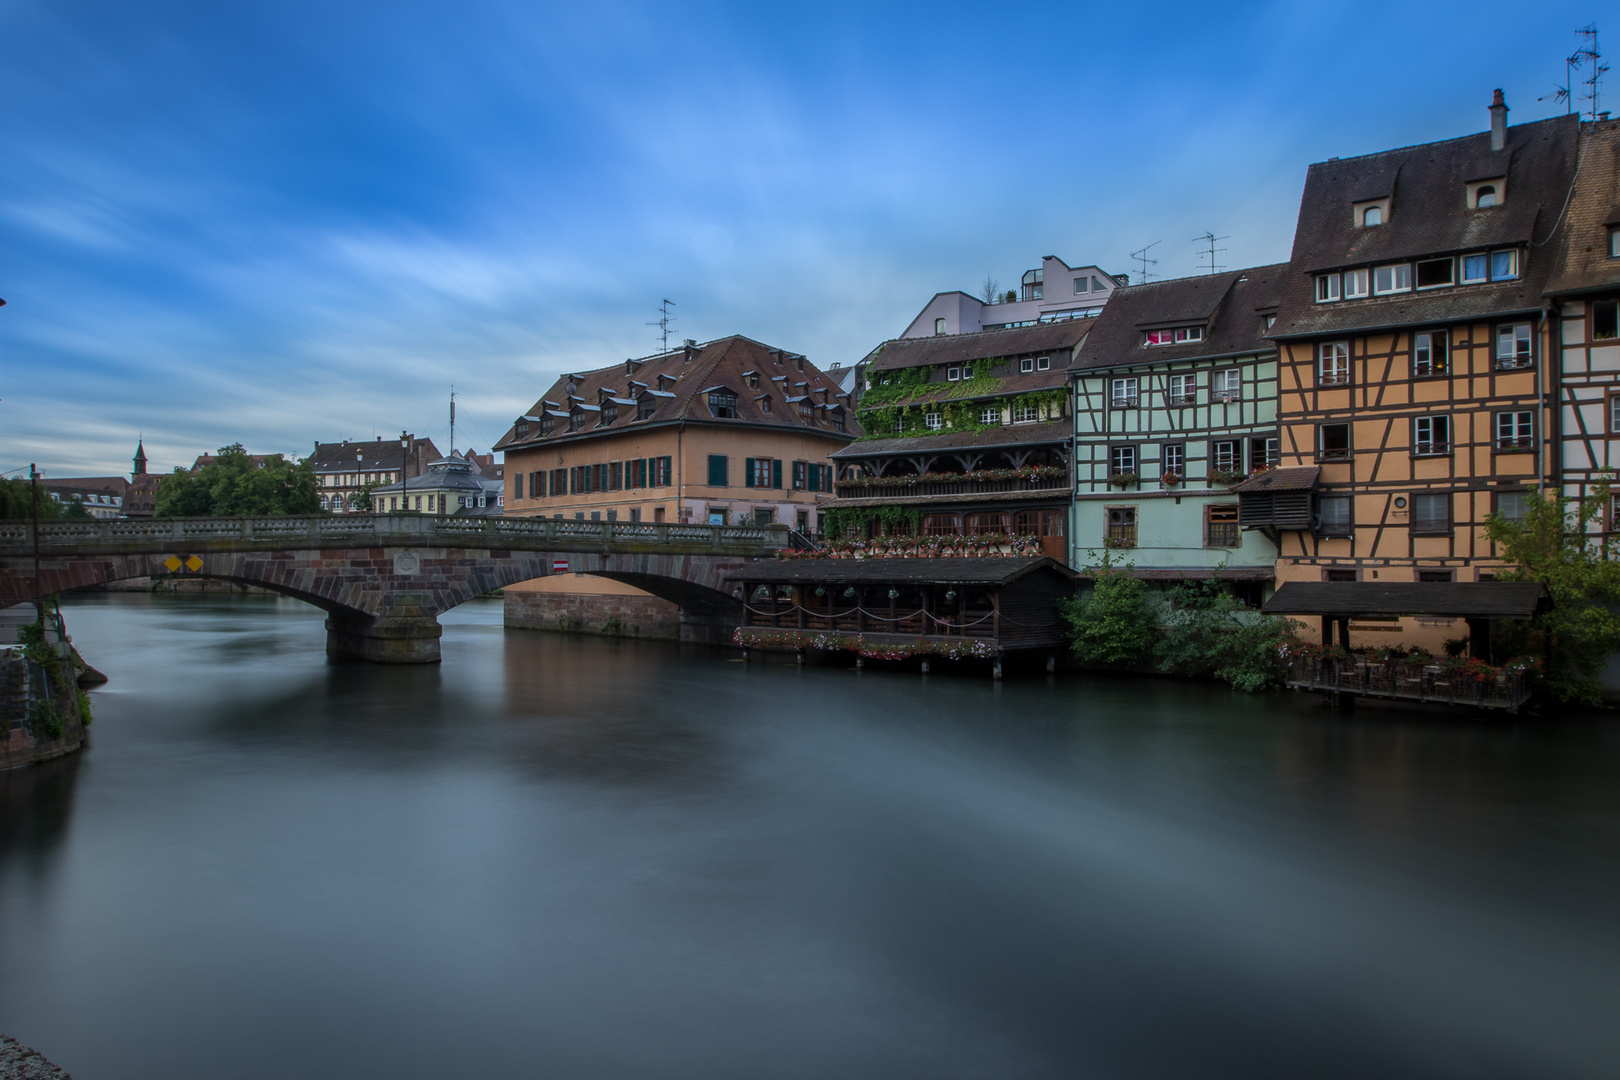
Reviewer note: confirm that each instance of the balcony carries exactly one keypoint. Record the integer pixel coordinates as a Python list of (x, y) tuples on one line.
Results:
[(934, 485), (1436, 684)]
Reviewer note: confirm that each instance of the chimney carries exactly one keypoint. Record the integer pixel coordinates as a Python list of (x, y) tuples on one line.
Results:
[(1499, 111)]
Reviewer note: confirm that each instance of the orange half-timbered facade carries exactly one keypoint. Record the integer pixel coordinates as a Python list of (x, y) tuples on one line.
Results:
[(1417, 377)]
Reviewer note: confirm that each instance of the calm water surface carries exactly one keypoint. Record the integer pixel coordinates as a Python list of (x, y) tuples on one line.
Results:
[(578, 858)]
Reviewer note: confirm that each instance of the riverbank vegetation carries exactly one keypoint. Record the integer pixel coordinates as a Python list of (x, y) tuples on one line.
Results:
[(234, 485)]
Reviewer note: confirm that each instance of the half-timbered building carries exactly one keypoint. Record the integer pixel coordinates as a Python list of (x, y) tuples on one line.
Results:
[(1414, 390), (964, 434), (1585, 294), (1176, 401)]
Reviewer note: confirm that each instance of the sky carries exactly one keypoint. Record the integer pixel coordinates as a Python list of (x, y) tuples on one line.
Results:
[(276, 223)]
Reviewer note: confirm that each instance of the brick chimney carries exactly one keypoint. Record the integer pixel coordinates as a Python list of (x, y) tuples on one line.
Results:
[(1499, 111)]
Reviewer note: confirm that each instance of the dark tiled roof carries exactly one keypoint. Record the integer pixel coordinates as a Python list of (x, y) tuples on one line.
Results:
[(1429, 215), (105, 485), (678, 381), (374, 454), (1455, 599), (1293, 478), (1584, 261), (986, 571), (1056, 431), (1229, 306), (1057, 339), (1199, 573)]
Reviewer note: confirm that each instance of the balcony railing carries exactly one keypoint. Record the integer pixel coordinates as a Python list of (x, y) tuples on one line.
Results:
[(846, 490), (1433, 683)]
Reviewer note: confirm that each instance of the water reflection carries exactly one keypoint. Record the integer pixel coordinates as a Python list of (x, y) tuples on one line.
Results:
[(586, 858)]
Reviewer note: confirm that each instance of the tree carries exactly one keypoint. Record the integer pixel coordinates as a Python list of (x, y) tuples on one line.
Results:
[(1209, 632), (16, 501), (1113, 625), (1552, 545), (990, 291), (232, 485), (75, 510)]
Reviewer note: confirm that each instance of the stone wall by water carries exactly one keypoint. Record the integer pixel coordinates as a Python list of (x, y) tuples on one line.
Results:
[(620, 614), (18, 1062)]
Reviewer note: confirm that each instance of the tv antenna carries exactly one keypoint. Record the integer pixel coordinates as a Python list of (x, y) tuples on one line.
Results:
[(1210, 238), (1588, 53), (452, 418), (663, 321), (1142, 257)]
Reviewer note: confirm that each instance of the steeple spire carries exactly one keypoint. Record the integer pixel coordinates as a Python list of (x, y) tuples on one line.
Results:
[(140, 459)]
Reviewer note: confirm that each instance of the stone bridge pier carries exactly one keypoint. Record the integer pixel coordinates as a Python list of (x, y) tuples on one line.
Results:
[(382, 580)]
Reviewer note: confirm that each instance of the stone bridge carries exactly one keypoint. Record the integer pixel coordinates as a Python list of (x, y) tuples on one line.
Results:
[(383, 579)]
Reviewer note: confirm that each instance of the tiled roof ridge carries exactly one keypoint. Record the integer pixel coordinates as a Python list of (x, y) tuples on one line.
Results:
[(1509, 148), (973, 333)]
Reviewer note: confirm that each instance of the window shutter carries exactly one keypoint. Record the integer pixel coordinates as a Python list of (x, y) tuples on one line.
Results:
[(748, 472), (815, 477), (776, 473), (717, 470), (517, 486)]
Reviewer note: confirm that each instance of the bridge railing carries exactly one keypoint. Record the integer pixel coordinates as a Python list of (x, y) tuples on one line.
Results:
[(17, 538)]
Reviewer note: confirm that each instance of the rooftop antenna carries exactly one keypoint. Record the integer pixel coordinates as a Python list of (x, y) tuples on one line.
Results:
[(452, 418), (663, 321), (1561, 93), (1210, 238), (1588, 51), (1141, 257)]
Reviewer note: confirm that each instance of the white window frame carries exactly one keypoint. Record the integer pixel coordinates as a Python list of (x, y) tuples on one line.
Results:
[(1183, 389), (1357, 284), (1025, 414), (1124, 393), (1123, 459), (1485, 268), (1227, 451), (990, 414), (933, 421), (1423, 353), (1427, 498), (1043, 363), (1187, 334), (953, 373), (1513, 335), (1026, 365), (1328, 288), (1431, 436), (1173, 458), (1515, 429), (1227, 385), (1393, 278), (1512, 257), (1368, 212), (1082, 285), (1339, 372)]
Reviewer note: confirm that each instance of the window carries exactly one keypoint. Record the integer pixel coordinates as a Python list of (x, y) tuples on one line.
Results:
[(1096, 286), (1227, 455), (1355, 284), (1033, 284), (757, 472), (764, 403), (1121, 527), (1515, 430), (1504, 265), (837, 418), (953, 373), (1025, 412), (933, 421), (1081, 285), (1474, 268), (646, 407), (1227, 385), (635, 473), (941, 525), (1327, 288), (1429, 352), (723, 404), (559, 481), (990, 414), (1434, 575), (967, 371), (1334, 365), (939, 326), (1392, 279), (1161, 337), (807, 410), (1264, 452), (1614, 243), (610, 413), (1512, 505), (1605, 320), (1373, 215), (1221, 527), (1123, 460), (1043, 363), (1431, 513), (576, 420), (1183, 389), (1189, 333), (1513, 345), (1333, 442), (1026, 365), (1433, 273), (663, 473), (1333, 515), (1339, 575), (1431, 435), (1173, 459), (1180, 336), (799, 475), (1484, 195), (718, 470), (1124, 395)]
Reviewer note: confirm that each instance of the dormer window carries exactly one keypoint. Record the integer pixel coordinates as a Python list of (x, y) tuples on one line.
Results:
[(522, 429), (952, 374), (806, 411), (1370, 213), (723, 404), (1181, 335), (1373, 215), (610, 413), (764, 403), (1486, 193), (646, 407), (548, 424), (753, 379), (1485, 196), (939, 327), (1392, 279), (576, 420)]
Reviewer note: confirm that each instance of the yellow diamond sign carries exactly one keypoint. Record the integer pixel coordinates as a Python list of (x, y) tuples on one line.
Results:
[(194, 564), (172, 562)]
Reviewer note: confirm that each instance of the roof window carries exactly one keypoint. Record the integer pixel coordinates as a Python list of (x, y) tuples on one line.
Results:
[(1484, 194)]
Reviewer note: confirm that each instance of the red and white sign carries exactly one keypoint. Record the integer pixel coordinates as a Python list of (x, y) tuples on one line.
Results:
[(559, 566)]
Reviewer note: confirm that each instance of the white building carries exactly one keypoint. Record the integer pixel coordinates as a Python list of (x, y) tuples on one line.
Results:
[(1055, 291)]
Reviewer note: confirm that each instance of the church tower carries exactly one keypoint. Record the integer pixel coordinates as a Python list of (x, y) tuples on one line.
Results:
[(140, 460)]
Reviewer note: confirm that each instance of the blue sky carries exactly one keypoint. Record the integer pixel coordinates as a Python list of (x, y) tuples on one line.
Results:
[(280, 222)]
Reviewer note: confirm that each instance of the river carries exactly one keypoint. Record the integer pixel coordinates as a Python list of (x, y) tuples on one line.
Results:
[(571, 857)]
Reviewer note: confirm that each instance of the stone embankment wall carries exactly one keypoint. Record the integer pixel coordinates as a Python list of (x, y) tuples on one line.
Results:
[(18, 1062), (617, 614), (41, 716), (182, 585)]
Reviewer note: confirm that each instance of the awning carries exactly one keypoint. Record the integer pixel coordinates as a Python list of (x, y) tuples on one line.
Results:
[(1369, 599)]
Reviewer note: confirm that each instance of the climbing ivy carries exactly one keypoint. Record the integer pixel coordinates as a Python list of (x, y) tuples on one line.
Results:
[(889, 421), (836, 521)]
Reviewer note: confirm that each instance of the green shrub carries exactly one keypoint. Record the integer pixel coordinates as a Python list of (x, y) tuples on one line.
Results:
[(1112, 625), (1210, 633)]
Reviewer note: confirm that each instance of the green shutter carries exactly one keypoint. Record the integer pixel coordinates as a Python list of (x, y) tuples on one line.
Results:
[(717, 470), (815, 477), (776, 473), (748, 472)]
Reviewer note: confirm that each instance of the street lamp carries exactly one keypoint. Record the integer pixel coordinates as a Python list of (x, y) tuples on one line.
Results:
[(359, 476), (404, 477)]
